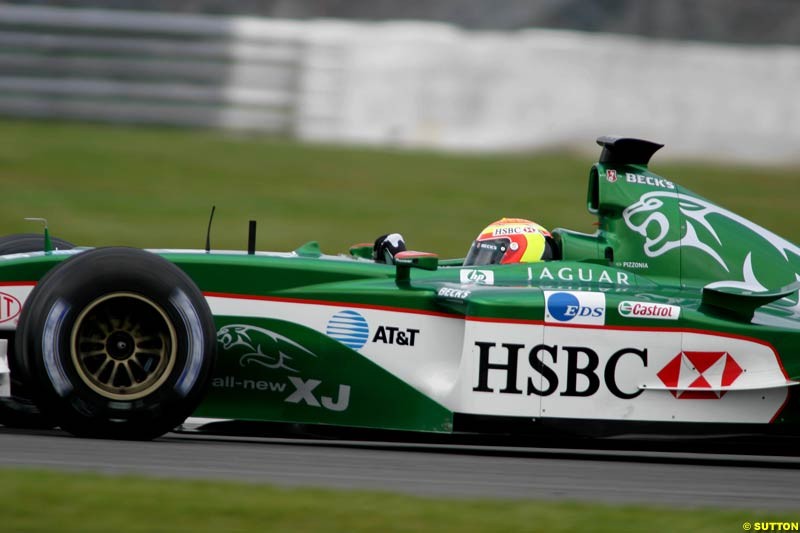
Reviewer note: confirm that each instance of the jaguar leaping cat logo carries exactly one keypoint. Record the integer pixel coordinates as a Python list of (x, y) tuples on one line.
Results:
[(647, 218), (260, 346), (650, 205)]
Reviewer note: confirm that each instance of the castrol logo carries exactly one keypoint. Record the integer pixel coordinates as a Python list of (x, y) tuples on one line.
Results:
[(649, 310)]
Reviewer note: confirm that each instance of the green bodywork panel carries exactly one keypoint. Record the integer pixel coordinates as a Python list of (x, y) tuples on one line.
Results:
[(277, 370)]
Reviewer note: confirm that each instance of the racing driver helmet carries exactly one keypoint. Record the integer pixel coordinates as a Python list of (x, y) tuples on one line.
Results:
[(510, 240)]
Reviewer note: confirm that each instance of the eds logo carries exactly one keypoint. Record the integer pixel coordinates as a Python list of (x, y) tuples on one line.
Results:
[(567, 307)]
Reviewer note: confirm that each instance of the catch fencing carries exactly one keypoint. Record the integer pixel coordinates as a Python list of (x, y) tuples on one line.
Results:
[(401, 83)]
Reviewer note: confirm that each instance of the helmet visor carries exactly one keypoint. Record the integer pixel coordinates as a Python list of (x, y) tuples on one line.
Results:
[(489, 252)]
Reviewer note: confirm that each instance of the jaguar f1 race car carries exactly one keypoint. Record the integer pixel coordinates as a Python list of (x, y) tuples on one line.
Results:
[(675, 315)]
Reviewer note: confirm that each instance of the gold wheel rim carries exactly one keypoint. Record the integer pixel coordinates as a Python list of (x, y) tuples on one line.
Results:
[(123, 346)]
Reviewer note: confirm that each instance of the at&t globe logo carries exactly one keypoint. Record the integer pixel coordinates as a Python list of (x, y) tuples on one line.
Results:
[(349, 328), (575, 307)]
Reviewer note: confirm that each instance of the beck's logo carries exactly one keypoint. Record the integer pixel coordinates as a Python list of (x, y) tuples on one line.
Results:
[(692, 374), (611, 175), (575, 307), (655, 181), (458, 294)]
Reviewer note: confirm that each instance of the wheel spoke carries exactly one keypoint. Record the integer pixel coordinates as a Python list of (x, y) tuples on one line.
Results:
[(92, 353), (150, 351), (104, 327), (119, 376), (101, 369), (126, 372), (138, 372)]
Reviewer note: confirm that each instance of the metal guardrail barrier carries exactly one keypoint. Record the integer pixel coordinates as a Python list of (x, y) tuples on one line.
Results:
[(148, 68), (401, 83)]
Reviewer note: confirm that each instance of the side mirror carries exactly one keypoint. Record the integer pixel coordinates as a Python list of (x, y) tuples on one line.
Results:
[(405, 261), (362, 250)]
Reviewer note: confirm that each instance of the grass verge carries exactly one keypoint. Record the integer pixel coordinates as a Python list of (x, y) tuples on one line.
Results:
[(37, 501), (151, 187)]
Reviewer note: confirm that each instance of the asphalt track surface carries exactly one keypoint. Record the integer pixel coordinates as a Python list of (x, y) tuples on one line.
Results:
[(618, 476)]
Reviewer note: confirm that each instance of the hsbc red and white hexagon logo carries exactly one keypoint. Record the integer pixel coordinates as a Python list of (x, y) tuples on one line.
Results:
[(694, 374)]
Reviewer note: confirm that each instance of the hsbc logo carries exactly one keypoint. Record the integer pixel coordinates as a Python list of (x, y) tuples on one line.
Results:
[(694, 375), (579, 371), (585, 374), (649, 310), (575, 307), (513, 231)]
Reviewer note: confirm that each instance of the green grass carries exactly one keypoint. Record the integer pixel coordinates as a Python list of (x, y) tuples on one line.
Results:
[(100, 185), (35, 501)]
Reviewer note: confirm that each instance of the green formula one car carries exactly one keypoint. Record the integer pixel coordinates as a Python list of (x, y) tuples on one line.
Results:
[(676, 315)]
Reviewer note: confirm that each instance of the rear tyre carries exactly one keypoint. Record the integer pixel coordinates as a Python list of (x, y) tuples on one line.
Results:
[(19, 411), (30, 242), (118, 343)]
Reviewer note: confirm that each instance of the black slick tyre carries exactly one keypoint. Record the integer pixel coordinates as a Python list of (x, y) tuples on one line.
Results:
[(117, 343), (19, 411), (20, 243)]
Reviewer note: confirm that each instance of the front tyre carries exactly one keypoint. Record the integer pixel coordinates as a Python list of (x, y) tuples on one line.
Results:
[(118, 343)]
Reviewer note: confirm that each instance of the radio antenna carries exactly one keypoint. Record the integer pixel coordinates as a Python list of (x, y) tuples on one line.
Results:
[(208, 233), (48, 245)]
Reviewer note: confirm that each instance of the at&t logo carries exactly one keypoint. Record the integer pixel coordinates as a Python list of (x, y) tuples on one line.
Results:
[(349, 328)]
